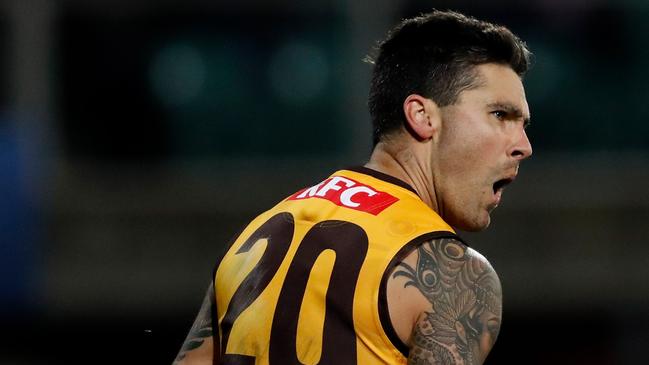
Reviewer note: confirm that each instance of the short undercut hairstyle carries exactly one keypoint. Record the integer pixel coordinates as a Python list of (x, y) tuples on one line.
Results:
[(434, 55)]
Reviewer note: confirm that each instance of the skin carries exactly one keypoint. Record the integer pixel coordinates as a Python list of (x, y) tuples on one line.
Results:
[(199, 347), (444, 298), (452, 156), (452, 298)]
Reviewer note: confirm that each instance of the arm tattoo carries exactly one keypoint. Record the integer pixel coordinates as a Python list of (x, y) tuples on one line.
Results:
[(202, 327), (465, 297)]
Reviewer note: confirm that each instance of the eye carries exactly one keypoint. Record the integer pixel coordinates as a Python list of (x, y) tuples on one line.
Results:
[(500, 114)]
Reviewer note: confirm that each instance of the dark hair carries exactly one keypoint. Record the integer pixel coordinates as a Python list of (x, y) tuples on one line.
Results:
[(434, 55)]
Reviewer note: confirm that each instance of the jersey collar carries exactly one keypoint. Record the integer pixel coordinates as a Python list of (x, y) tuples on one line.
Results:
[(382, 176)]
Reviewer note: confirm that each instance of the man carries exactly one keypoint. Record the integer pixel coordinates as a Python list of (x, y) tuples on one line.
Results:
[(365, 267)]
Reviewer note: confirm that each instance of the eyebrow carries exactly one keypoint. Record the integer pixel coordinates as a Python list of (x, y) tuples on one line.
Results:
[(511, 110)]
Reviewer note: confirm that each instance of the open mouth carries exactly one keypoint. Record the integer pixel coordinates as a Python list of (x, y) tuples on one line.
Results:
[(500, 184)]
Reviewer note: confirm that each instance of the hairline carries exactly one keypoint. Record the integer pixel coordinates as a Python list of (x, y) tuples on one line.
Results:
[(476, 80)]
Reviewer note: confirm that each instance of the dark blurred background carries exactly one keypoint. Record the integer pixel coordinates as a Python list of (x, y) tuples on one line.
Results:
[(137, 136)]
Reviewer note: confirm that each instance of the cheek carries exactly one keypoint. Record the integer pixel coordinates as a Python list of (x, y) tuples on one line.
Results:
[(467, 144), (468, 155), (465, 165), (476, 159)]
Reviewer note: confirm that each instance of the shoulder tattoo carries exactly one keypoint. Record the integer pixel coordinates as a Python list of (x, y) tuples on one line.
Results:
[(463, 319)]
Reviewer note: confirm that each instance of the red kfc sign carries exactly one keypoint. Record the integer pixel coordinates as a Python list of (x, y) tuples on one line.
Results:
[(348, 193)]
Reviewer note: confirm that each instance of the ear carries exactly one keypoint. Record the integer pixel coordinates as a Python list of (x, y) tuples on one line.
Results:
[(422, 115)]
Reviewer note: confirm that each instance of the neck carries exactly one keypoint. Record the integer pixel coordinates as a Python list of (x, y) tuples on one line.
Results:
[(402, 162)]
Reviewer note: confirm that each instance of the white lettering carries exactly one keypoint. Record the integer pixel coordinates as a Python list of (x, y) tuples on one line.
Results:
[(347, 195), (333, 185), (310, 191)]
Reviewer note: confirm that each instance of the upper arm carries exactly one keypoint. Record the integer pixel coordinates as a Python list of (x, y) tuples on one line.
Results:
[(201, 347), (453, 309)]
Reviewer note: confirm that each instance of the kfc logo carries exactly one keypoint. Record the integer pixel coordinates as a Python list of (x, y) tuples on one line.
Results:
[(348, 193)]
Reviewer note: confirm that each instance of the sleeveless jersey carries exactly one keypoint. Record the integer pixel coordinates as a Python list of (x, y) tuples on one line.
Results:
[(305, 282)]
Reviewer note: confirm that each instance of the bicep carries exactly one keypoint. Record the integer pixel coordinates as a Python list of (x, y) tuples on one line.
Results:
[(201, 347), (460, 295)]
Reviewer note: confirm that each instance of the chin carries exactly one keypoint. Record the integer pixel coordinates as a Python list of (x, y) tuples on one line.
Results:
[(472, 225)]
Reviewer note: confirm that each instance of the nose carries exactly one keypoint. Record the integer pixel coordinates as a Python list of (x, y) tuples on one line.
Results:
[(522, 149)]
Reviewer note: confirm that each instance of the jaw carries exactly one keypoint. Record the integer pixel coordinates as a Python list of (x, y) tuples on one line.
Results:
[(470, 217), (477, 225)]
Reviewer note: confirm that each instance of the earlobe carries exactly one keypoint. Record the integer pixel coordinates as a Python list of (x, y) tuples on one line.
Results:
[(421, 115)]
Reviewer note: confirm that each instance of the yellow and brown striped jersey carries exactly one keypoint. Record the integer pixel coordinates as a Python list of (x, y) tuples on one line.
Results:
[(305, 282)]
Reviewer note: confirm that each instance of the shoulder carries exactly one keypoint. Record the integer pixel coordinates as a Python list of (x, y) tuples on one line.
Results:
[(444, 296)]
